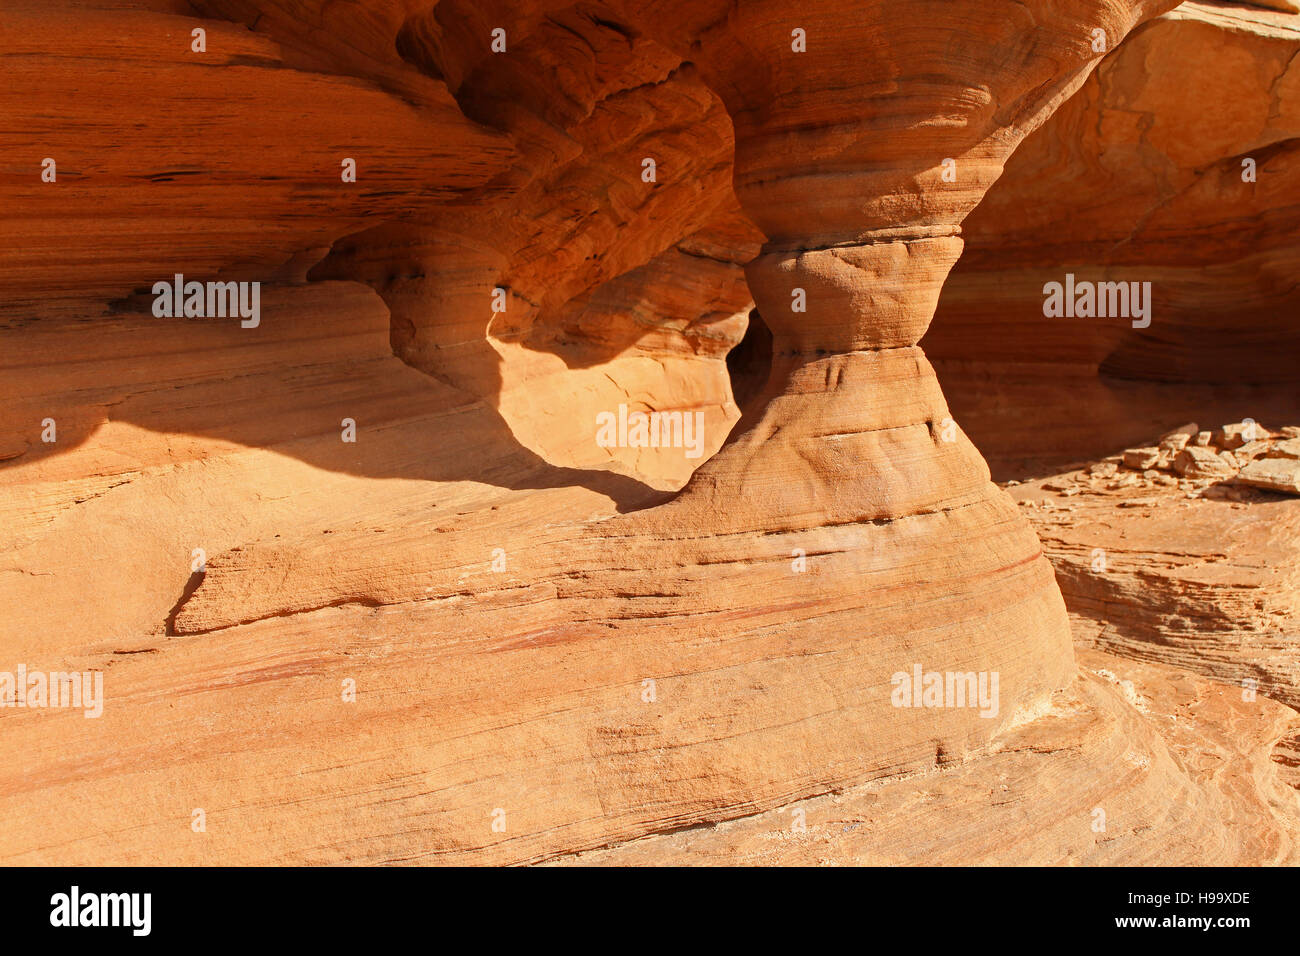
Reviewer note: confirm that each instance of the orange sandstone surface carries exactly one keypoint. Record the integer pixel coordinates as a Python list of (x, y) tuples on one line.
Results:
[(365, 585)]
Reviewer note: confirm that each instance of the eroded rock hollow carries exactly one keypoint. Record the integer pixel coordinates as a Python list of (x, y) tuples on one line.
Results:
[(461, 628)]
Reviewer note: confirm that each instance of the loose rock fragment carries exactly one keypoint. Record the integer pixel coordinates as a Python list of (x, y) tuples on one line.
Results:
[(1237, 434), (1285, 449), (1196, 462), (1139, 459), (1177, 439), (1254, 449), (1274, 474)]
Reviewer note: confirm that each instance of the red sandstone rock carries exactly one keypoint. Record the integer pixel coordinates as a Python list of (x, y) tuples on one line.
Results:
[(1138, 177), (594, 660)]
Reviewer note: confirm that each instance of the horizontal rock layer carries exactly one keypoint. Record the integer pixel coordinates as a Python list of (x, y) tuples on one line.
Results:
[(548, 657)]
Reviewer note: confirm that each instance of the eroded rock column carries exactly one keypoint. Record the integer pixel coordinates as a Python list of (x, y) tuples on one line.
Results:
[(863, 138)]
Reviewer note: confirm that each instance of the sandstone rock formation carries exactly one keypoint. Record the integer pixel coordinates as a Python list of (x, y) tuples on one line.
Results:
[(1174, 165), (1003, 811), (474, 634), (1199, 572)]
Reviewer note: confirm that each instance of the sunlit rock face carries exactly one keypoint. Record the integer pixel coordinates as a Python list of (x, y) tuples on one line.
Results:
[(372, 580), (1174, 165)]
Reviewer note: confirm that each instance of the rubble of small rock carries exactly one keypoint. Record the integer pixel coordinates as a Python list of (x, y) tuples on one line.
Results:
[(1220, 462), (1192, 561)]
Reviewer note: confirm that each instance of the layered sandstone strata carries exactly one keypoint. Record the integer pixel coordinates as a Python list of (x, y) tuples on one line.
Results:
[(1147, 799), (536, 674), (1174, 165), (1169, 564)]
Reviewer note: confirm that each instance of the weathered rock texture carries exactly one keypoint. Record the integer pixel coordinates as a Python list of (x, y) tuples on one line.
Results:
[(1139, 177), (1155, 807), (1199, 572), (564, 652)]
